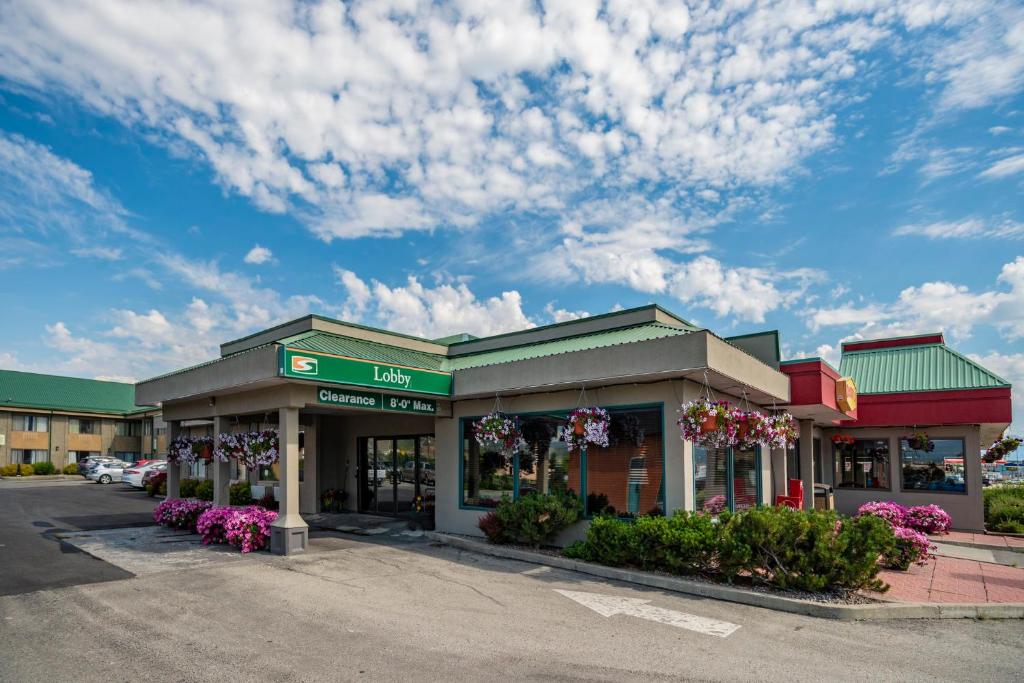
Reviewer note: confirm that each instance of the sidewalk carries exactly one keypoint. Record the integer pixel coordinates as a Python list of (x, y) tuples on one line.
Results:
[(974, 540), (954, 579)]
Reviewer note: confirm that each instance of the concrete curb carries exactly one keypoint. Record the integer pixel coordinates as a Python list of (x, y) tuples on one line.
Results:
[(982, 546), (879, 611)]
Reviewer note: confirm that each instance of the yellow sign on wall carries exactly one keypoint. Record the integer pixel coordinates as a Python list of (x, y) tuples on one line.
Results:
[(846, 394)]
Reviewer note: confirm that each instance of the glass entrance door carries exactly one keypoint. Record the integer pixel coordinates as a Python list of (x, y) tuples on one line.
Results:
[(396, 474)]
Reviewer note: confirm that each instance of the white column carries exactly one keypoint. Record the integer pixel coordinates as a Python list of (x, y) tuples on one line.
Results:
[(309, 490), (289, 532), (807, 461), (173, 471), (221, 470)]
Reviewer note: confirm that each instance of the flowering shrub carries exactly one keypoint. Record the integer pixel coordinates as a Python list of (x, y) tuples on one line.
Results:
[(929, 519), (246, 528), (586, 425), (715, 505), (498, 431), (894, 513), (911, 547), (707, 423), (180, 513)]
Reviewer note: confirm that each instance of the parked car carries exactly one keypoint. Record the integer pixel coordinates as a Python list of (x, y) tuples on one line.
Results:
[(426, 472), (90, 463), (133, 475), (107, 472), (151, 474)]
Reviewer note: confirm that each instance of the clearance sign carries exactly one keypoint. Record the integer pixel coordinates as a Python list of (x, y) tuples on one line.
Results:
[(324, 367)]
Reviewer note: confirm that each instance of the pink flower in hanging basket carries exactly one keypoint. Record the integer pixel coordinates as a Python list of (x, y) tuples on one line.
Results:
[(498, 432), (586, 426)]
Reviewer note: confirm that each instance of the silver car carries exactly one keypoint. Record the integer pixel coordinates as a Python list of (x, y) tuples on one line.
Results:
[(106, 472)]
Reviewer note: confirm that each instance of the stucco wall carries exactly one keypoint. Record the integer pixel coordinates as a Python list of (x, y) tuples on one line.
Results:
[(965, 508)]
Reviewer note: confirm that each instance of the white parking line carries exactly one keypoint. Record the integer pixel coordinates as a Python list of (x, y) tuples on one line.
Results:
[(610, 605)]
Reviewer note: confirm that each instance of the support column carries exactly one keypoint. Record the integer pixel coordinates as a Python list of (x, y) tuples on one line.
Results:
[(807, 461), (289, 533), (173, 471), (221, 470), (779, 475), (309, 491)]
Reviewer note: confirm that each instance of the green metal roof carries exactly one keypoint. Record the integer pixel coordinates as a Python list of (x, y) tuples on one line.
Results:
[(72, 394), (325, 342), (624, 335), (928, 367)]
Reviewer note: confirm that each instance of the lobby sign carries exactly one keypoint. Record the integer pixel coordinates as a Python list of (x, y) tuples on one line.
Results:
[(323, 367), (372, 400)]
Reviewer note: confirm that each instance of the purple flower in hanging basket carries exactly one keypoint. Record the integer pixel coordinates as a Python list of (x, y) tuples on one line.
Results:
[(586, 426), (707, 423), (498, 432)]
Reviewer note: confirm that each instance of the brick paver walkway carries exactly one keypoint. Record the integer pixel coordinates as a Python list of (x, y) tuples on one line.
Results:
[(950, 579), (994, 540)]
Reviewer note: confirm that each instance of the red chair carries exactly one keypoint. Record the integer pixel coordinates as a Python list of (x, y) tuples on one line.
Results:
[(795, 497)]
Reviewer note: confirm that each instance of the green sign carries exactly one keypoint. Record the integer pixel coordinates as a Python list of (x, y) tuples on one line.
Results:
[(371, 400), (363, 373)]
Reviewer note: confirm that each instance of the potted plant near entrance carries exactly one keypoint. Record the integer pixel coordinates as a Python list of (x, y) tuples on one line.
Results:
[(586, 426), (202, 448)]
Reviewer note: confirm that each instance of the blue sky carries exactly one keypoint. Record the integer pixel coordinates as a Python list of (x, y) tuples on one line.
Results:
[(173, 175)]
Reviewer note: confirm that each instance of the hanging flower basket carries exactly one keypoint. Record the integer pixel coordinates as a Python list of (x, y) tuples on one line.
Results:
[(1001, 448), (262, 449), (779, 431), (707, 423), (586, 426), (181, 451), (497, 431), (919, 441), (841, 440), (232, 446), (202, 448)]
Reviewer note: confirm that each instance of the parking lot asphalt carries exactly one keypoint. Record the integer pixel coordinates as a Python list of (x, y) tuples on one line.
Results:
[(32, 513)]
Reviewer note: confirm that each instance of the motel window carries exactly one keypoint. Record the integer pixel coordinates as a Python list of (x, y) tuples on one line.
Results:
[(726, 479), (30, 423), (626, 478), (79, 456), (864, 464), (938, 469), (29, 457), (128, 428), (80, 426)]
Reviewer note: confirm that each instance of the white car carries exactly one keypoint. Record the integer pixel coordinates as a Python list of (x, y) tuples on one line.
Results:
[(106, 472), (132, 476)]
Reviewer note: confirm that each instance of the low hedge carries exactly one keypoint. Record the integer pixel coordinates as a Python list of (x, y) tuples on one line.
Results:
[(204, 490), (45, 467), (534, 519), (71, 468), (15, 469), (187, 488), (1004, 508), (240, 494), (804, 550)]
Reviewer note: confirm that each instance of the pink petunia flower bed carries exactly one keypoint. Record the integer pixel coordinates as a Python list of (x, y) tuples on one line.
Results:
[(246, 528), (910, 527)]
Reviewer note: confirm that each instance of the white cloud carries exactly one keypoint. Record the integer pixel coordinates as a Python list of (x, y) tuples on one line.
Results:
[(561, 315), (968, 228), (432, 312), (258, 255), (1000, 130), (377, 118), (103, 253), (1005, 167), (936, 306)]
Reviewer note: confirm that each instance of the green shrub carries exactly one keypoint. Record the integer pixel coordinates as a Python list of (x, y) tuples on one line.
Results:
[(25, 470), (9, 470), (71, 468), (162, 488), (609, 541), (45, 467), (187, 488), (534, 519), (240, 494), (686, 543), (1004, 509), (204, 490), (805, 550)]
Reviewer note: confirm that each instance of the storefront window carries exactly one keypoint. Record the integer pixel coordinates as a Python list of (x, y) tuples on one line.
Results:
[(940, 469), (864, 464), (626, 478), (714, 468), (745, 476)]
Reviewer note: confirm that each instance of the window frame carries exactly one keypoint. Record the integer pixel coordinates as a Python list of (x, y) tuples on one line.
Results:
[(77, 422), (564, 413), (34, 417), (730, 477), (837, 465), (963, 454)]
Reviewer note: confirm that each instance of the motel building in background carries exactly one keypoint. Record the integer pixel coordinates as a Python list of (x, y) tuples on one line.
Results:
[(386, 419)]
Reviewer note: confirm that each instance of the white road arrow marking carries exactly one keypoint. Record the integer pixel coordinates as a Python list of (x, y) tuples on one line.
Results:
[(610, 605)]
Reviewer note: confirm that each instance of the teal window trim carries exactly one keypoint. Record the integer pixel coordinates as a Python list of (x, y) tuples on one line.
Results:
[(730, 480), (730, 476), (564, 414)]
